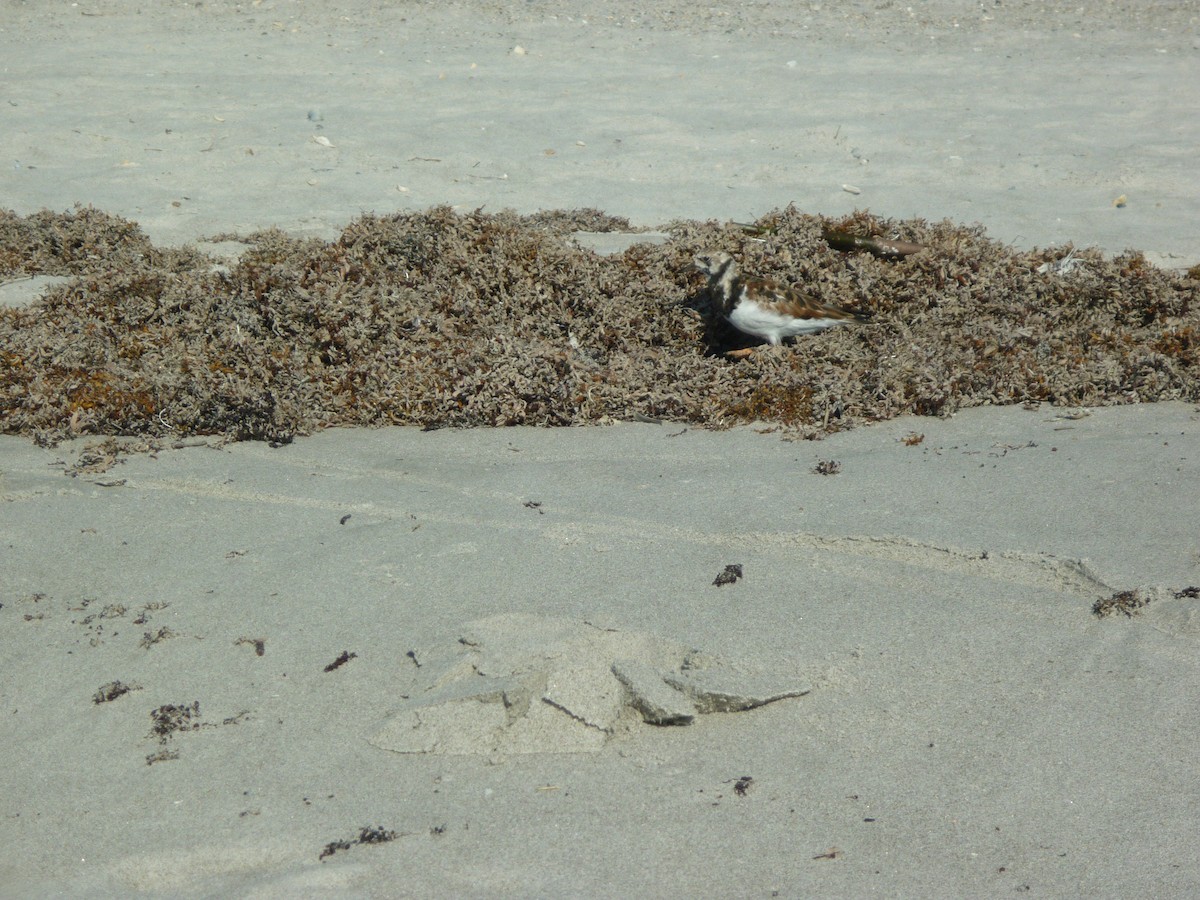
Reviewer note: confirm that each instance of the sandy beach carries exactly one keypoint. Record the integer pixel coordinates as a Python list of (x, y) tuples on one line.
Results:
[(925, 656)]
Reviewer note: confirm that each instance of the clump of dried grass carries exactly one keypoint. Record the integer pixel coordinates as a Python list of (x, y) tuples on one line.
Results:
[(446, 319)]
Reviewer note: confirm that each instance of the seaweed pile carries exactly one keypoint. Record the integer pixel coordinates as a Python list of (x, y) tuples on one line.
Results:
[(439, 318)]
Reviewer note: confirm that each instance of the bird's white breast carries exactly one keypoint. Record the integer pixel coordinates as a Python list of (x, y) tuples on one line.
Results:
[(765, 322)]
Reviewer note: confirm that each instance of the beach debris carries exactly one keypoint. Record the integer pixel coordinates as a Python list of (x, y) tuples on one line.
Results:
[(1120, 202), (153, 606), (520, 683), (741, 787), (827, 467), (877, 246), (523, 277), (1127, 603), (344, 657), (150, 638), (323, 141), (366, 835), (259, 644), (729, 575), (1064, 266), (170, 718), (1169, 610), (1072, 415), (851, 189), (755, 229), (96, 459), (113, 690)]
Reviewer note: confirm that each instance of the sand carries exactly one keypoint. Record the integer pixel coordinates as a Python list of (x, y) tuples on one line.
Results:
[(940, 655)]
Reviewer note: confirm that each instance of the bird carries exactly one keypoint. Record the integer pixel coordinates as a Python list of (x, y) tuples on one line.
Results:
[(764, 308)]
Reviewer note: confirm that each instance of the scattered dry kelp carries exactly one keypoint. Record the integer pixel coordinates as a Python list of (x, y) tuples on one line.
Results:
[(440, 319)]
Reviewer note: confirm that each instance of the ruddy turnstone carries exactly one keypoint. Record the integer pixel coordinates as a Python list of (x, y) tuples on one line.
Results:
[(764, 308)]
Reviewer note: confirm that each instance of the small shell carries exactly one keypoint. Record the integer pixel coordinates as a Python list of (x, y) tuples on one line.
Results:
[(322, 140)]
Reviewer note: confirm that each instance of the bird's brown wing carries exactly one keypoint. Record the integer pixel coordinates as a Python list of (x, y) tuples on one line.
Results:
[(792, 302)]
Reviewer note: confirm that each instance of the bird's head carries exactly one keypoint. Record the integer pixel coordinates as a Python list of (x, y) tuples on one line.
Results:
[(713, 263)]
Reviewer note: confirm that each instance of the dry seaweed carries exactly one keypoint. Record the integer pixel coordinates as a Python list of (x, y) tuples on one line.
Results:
[(1126, 603), (444, 319)]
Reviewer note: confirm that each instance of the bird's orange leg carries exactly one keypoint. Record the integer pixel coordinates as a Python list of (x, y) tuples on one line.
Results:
[(740, 354)]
